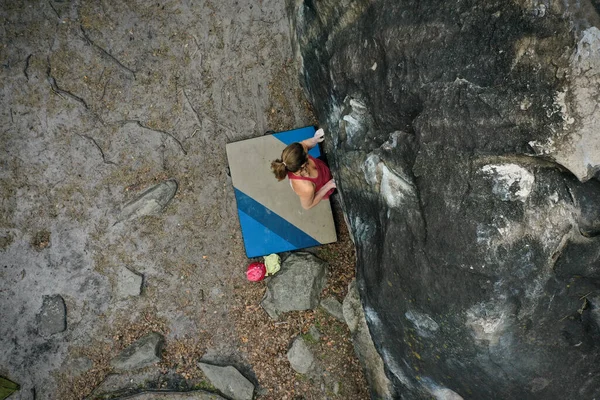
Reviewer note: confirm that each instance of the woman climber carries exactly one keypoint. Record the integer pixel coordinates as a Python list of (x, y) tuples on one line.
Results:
[(309, 177)]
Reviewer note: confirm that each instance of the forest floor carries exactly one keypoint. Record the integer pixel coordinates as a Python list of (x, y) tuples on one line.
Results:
[(101, 100)]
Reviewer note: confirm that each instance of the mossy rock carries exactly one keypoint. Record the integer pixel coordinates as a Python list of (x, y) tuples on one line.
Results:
[(7, 388)]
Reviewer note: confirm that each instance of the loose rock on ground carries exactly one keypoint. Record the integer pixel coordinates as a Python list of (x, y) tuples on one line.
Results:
[(52, 317), (297, 286), (144, 352), (333, 307), (300, 357), (229, 381), (151, 202)]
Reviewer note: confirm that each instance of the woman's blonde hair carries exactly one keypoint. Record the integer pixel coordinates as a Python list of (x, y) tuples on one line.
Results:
[(292, 159)]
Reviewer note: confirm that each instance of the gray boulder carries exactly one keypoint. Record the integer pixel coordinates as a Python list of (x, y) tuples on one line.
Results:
[(296, 286), (300, 357), (333, 307), (52, 317), (142, 353), (464, 141), (381, 387), (150, 202), (128, 283), (228, 381)]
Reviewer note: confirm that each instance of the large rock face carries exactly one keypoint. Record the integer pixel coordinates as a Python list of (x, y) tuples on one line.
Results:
[(464, 139)]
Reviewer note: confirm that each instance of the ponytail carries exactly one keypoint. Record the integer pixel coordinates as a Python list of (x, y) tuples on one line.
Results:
[(294, 155), (279, 169)]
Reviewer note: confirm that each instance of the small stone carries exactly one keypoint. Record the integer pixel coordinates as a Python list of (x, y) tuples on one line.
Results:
[(228, 381), (334, 308), (129, 283), (52, 317), (151, 202), (300, 357), (142, 353), (314, 333)]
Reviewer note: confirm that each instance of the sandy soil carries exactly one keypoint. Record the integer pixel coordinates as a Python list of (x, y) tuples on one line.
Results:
[(100, 100)]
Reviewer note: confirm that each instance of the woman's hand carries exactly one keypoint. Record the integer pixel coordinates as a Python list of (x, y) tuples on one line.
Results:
[(317, 138), (330, 185), (319, 135)]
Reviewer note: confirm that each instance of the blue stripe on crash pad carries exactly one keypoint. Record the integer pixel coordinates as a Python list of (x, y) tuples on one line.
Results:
[(298, 135), (260, 240), (272, 221)]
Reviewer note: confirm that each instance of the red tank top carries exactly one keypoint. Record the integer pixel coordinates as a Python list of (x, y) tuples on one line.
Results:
[(324, 176)]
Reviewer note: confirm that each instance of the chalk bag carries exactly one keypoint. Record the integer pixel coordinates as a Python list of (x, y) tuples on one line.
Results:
[(256, 271)]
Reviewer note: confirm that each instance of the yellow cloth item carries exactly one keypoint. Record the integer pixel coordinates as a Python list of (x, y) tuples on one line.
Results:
[(272, 264)]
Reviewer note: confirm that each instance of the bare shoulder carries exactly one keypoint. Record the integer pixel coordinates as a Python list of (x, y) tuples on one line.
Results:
[(302, 187)]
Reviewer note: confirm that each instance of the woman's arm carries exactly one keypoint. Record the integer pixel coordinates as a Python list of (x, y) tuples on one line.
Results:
[(306, 191)]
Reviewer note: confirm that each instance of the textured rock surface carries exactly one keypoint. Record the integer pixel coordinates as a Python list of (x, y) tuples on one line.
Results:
[(380, 385), (228, 381), (52, 318), (300, 357), (142, 353), (296, 286), (577, 145), (464, 140)]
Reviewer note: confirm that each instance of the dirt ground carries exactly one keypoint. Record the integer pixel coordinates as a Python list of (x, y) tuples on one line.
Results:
[(100, 100)]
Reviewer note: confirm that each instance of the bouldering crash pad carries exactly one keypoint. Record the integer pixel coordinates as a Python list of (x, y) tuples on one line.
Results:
[(271, 217)]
